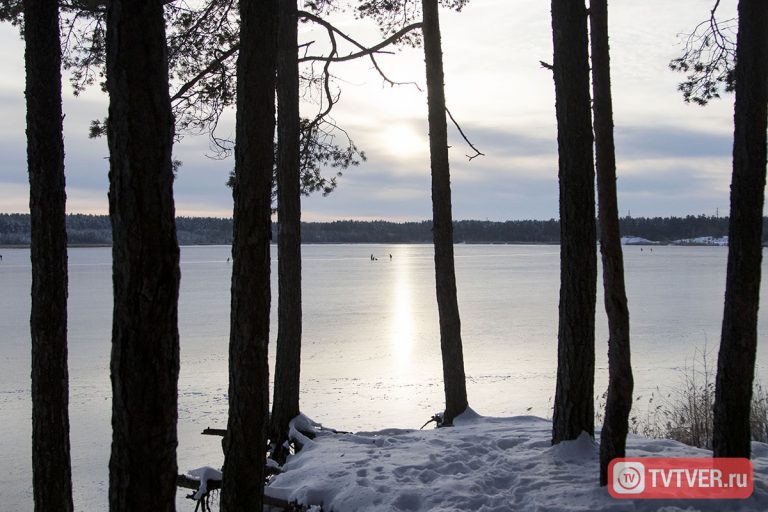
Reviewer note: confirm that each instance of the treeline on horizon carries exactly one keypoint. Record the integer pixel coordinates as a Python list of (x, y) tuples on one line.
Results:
[(96, 230)]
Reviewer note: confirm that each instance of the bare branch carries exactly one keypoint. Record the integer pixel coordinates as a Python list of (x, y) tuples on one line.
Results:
[(392, 83), (370, 52), (458, 127), (327, 78), (712, 12), (364, 51)]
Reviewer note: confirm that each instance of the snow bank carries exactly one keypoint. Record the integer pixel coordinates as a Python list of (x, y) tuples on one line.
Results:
[(704, 240), (636, 240), (481, 464)]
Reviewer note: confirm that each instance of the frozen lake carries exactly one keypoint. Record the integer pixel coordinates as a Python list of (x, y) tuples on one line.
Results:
[(371, 343)]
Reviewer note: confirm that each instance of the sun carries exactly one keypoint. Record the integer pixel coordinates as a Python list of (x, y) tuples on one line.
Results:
[(401, 140)]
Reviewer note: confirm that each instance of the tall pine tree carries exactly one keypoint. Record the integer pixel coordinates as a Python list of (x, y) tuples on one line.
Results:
[(574, 406), (145, 253), (245, 444), (454, 380), (51, 469), (288, 357), (738, 345), (613, 437)]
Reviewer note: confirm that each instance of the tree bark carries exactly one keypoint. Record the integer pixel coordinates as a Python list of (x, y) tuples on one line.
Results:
[(442, 220), (288, 358), (51, 469), (736, 360), (244, 458), (574, 406), (613, 437), (145, 340)]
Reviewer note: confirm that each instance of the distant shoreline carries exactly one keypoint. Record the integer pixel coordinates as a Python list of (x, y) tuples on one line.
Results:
[(69, 246), (96, 231), (650, 244)]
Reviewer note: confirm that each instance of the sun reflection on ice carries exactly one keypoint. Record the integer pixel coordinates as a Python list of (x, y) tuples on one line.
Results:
[(402, 319)]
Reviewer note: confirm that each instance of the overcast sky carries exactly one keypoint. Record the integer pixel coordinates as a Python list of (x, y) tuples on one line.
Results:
[(673, 158)]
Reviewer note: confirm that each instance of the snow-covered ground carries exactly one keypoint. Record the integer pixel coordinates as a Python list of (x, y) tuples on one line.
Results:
[(636, 240), (481, 464), (721, 241)]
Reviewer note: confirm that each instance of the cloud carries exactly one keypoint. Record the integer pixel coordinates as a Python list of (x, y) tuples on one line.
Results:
[(488, 187), (670, 141), (675, 181), (14, 197), (511, 142), (662, 168)]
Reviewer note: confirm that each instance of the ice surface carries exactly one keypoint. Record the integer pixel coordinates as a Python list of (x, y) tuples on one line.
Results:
[(371, 349)]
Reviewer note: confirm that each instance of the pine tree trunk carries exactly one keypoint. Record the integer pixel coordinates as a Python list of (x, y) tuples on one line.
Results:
[(574, 406), (613, 437), (288, 358), (442, 220), (245, 451), (51, 470), (145, 340), (736, 360)]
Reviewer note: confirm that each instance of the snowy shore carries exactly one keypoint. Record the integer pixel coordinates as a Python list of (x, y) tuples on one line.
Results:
[(481, 464)]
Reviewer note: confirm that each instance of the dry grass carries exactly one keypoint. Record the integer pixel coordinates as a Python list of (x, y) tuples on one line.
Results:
[(684, 413)]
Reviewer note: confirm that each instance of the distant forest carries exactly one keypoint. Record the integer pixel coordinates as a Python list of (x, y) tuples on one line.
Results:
[(96, 230)]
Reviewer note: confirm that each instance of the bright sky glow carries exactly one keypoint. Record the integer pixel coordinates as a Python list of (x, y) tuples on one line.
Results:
[(404, 141), (673, 158)]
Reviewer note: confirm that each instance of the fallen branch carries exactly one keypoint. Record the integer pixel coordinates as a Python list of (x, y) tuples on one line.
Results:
[(214, 432), (185, 482), (437, 418)]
